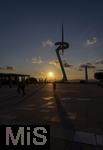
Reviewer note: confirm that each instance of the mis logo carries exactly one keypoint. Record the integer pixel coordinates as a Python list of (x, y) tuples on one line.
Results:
[(36, 137)]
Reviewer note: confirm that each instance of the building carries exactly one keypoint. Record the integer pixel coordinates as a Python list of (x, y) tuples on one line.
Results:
[(11, 78)]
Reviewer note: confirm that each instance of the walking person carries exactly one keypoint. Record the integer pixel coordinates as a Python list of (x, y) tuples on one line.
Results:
[(21, 87), (54, 86)]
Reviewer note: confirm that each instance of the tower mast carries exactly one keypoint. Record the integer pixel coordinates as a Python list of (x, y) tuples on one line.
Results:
[(61, 46)]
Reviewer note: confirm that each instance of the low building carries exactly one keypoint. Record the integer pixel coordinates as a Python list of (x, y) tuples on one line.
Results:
[(11, 78)]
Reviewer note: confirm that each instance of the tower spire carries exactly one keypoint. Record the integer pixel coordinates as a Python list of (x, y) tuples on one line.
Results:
[(62, 39), (62, 34)]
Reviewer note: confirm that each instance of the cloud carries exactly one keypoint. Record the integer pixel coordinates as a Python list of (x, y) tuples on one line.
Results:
[(47, 43), (66, 64), (10, 68), (37, 60), (91, 41), (56, 63), (99, 62)]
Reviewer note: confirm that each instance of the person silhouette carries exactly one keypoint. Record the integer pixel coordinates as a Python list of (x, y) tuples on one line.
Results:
[(21, 87), (54, 86)]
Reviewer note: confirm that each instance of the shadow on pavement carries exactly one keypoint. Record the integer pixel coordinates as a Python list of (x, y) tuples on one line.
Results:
[(65, 121)]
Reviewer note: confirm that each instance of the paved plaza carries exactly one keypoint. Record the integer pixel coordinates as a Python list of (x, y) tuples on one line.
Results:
[(73, 111)]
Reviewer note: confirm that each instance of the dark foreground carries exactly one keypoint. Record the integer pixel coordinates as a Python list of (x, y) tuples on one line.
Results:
[(74, 111)]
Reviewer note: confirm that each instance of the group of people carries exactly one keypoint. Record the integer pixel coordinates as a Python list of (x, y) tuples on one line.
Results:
[(21, 87)]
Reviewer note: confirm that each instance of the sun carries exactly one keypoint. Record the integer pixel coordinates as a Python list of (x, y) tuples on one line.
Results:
[(50, 75)]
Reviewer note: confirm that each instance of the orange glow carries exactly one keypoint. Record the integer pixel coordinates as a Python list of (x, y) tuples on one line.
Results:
[(50, 75)]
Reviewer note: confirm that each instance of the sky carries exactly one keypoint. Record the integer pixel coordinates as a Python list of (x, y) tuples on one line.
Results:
[(30, 28)]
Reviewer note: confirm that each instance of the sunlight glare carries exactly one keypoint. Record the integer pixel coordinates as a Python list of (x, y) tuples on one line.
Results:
[(50, 74)]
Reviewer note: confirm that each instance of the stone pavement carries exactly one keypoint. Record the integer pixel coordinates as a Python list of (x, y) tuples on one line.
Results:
[(74, 112)]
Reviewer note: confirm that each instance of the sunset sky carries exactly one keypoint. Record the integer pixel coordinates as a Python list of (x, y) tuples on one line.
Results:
[(29, 29)]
